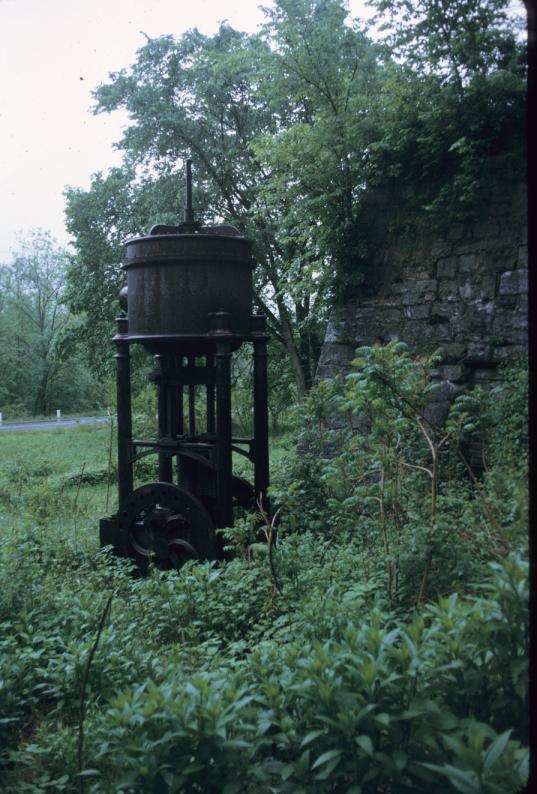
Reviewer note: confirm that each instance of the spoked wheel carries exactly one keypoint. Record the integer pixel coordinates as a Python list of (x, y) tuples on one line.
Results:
[(167, 525), (202, 473)]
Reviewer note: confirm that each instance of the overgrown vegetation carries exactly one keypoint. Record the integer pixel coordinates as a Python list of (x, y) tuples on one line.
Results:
[(371, 464), (291, 130), (40, 372), (382, 645)]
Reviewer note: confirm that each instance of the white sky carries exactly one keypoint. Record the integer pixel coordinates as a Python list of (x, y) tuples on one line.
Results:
[(53, 53)]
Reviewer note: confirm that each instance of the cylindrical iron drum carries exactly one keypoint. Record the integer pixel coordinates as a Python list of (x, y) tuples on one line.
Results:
[(175, 281)]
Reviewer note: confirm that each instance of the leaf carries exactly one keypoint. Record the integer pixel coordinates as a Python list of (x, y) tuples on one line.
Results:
[(466, 782), (496, 749), (400, 759), (286, 771), (325, 757), (365, 743), (382, 718), (309, 737)]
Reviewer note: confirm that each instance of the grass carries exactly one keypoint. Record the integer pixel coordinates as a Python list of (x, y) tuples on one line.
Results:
[(220, 678), (65, 450), (51, 417), (59, 478), (40, 483)]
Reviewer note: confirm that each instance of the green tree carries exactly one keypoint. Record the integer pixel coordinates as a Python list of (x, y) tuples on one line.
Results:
[(101, 219), (457, 104), (457, 40), (37, 374), (290, 130), (215, 98)]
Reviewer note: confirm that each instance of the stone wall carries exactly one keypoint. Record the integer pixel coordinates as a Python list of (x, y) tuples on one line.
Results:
[(462, 288)]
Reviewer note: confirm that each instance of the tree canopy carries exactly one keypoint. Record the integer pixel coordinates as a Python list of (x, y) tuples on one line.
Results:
[(289, 129), (38, 374)]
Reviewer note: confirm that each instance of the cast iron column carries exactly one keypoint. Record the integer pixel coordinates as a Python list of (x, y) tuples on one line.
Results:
[(163, 396), (191, 399), (261, 447), (224, 499), (209, 363), (124, 419), (177, 400)]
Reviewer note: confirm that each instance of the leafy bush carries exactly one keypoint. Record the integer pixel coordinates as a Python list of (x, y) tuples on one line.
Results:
[(210, 680), (371, 462), (306, 666)]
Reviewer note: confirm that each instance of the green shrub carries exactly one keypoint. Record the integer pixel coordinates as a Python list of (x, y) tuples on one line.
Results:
[(310, 668), (226, 685), (370, 463)]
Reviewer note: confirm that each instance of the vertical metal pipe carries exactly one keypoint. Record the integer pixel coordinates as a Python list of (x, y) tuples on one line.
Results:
[(179, 418), (191, 401), (164, 460), (188, 213), (261, 447), (179, 421), (224, 499), (171, 400), (211, 424), (124, 417)]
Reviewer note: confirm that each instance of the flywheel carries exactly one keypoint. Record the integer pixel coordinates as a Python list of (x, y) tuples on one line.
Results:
[(166, 525)]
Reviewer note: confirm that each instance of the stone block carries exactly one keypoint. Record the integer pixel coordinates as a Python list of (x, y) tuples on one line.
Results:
[(478, 350), (409, 297), (520, 337), (426, 285), (468, 291), (446, 268), (330, 335), (505, 322), (467, 247), (456, 231), (485, 375), (498, 260), (487, 287), (417, 312), (334, 360), (488, 307), (398, 288), (456, 373), (440, 333), (468, 263), (507, 302), (448, 290), (443, 391), (441, 312), (474, 323), (509, 352), (478, 290), (514, 282), (523, 256), (452, 352), (486, 229), (437, 413), (440, 249), (366, 314)]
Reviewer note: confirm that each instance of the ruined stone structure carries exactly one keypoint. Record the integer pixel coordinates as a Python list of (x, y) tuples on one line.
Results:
[(461, 288)]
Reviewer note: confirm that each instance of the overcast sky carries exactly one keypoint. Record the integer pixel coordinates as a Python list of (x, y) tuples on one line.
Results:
[(53, 53)]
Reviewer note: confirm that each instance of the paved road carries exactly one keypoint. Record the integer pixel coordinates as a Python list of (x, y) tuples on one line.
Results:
[(52, 424)]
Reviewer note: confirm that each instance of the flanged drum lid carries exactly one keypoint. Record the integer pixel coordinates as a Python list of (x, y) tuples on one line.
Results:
[(176, 280)]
